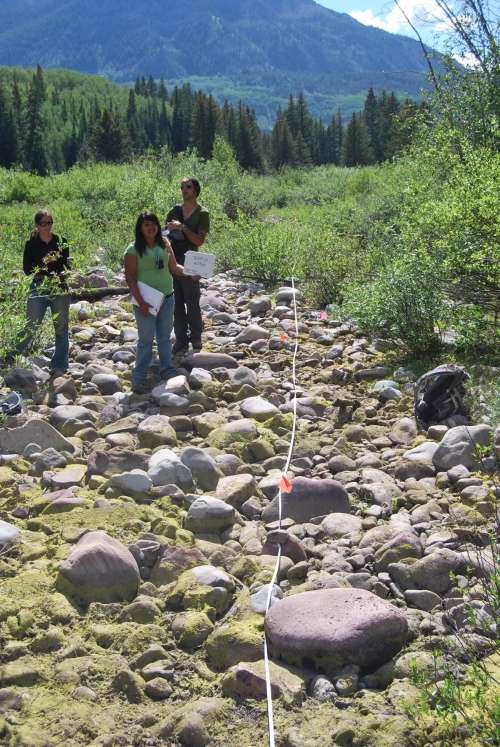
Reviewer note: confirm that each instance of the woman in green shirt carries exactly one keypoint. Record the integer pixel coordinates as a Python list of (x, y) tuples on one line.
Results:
[(150, 260)]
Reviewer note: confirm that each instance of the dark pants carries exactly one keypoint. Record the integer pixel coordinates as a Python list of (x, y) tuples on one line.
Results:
[(59, 307), (187, 312)]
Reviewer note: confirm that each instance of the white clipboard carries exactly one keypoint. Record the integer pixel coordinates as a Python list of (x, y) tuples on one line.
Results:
[(151, 296), (199, 263)]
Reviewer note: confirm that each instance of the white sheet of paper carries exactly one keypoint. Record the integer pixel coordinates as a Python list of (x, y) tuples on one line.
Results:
[(199, 263), (151, 296)]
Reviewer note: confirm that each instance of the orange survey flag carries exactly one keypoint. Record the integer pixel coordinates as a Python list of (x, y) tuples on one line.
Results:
[(285, 484)]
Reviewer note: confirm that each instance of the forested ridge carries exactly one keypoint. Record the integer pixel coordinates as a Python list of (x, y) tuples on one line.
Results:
[(51, 120), (283, 45)]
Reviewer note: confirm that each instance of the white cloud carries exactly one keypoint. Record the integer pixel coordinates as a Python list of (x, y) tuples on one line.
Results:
[(425, 14)]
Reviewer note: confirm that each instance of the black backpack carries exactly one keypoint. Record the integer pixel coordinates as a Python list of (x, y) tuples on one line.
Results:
[(12, 404), (439, 395)]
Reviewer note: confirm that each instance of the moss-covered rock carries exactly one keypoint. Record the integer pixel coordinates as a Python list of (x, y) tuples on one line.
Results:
[(248, 680), (235, 641), (196, 723), (190, 629)]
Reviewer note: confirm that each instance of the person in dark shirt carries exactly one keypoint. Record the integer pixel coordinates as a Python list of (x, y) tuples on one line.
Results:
[(46, 259), (188, 224)]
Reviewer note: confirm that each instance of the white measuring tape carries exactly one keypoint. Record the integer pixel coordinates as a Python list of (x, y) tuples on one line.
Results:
[(270, 716)]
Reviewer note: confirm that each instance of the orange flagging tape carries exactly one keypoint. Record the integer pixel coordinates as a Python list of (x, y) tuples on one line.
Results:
[(285, 484)]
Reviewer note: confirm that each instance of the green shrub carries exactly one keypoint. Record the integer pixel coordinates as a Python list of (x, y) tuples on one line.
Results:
[(405, 303)]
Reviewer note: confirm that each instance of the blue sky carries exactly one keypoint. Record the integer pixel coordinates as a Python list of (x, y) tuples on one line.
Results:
[(385, 15)]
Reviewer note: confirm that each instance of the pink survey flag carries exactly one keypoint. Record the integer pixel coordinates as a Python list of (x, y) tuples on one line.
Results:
[(285, 484)]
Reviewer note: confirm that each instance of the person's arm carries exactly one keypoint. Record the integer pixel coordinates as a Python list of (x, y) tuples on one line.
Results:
[(28, 259), (197, 237), (131, 280), (194, 237), (174, 267)]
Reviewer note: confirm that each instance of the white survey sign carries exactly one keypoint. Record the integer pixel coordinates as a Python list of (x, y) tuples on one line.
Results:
[(199, 263)]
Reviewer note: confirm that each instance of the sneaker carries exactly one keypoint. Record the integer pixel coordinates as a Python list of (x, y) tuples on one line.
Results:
[(140, 387), (197, 345), (55, 373), (166, 375), (179, 348)]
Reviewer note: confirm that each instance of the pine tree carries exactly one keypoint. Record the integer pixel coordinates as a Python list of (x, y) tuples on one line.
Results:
[(132, 118), (356, 149), (152, 123), (109, 140), (199, 126), (8, 136), (18, 121), (371, 114), (282, 144), (334, 135), (182, 106), (302, 152), (248, 148), (165, 134), (34, 149), (151, 89), (162, 91), (213, 123)]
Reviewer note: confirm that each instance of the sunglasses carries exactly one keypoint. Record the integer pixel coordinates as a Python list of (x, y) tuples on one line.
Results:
[(186, 186), (46, 223)]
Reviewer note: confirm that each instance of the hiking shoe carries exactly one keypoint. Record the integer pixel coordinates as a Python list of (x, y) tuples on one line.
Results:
[(140, 387), (166, 375), (180, 348), (55, 373), (197, 345)]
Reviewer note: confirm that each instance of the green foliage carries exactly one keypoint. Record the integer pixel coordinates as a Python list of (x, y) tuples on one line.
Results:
[(50, 121), (405, 302)]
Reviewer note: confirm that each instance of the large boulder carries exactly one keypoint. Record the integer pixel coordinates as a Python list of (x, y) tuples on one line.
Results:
[(248, 680), (236, 489), (203, 467), (434, 572), (337, 526), (15, 440), (165, 468), (331, 628), (309, 498), (459, 444), (156, 431), (174, 561), (115, 461), (99, 569), (251, 333), (71, 418), (258, 408), (207, 515)]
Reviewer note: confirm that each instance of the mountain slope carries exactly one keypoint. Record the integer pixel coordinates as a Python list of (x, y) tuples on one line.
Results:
[(285, 45)]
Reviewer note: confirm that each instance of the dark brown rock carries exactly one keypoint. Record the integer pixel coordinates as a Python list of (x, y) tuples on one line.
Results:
[(115, 461), (330, 628), (309, 498)]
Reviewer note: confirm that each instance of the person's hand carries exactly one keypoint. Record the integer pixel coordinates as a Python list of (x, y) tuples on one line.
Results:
[(174, 225), (144, 308)]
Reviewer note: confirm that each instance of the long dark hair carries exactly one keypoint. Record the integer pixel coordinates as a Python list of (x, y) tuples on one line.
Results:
[(140, 241)]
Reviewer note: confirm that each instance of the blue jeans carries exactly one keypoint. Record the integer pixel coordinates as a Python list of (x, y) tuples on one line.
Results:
[(35, 312), (147, 327)]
